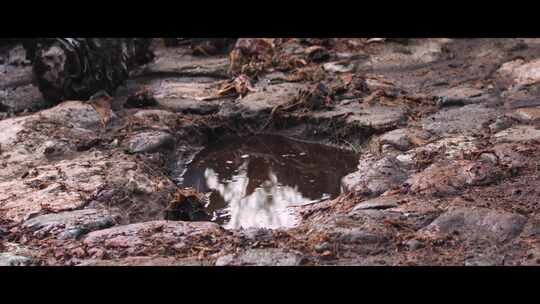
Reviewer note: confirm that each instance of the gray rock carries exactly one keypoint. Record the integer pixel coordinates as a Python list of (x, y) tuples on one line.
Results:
[(379, 118), (518, 134), (459, 96), (150, 142), (338, 67), (500, 123), (70, 224), (21, 97), (320, 248), (528, 115), (444, 178), (146, 261), (55, 148), (489, 157), (264, 100), (145, 234), (469, 119), (190, 106), (376, 177), (156, 115), (485, 260), (168, 62), (382, 202), (414, 244), (74, 114), (359, 236), (256, 234), (398, 138), (18, 92), (7, 259), (479, 224), (261, 257)]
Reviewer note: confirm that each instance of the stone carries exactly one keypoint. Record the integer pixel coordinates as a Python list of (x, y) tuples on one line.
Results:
[(339, 67), (169, 62), (156, 115), (54, 133), (20, 98), (149, 142), (21, 199), (378, 118), (489, 157), (70, 224), (459, 96), (478, 224), (359, 236), (447, 148), (522, 103), (146, 261), (56, 148), (263, 101), (529, 115), (518, 133), (18, 92), (465, 120), (375, 177), (322, 247), (191, 106), (485, 260), (414, 244), (507, 155), (7, 259), (75, 114), (261, 257), (521, 72), (67, 185), (382, 202), (449, 178), (193, 97), (144, 234), (256, 234), (398, 138), (500, 123)]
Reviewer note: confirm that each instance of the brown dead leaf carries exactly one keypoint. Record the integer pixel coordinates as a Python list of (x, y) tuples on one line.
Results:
[(239, 86), (103, 106)]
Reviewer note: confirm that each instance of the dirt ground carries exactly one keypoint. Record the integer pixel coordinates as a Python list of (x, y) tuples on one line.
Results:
[(446, 132)]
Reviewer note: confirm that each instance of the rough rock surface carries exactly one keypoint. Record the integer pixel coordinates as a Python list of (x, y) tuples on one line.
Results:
[(261, 257), (142, 234), (442, 179), (464, 120), (398, 138), (375, 177), (478, 223), (151, 142), (445, 131), (71, 224), (7, 259)]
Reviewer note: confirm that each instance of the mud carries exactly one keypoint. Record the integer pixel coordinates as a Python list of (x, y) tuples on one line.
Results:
[(441, 169)]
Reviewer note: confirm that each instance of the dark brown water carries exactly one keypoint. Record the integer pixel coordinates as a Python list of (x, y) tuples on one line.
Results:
[(252, 180)]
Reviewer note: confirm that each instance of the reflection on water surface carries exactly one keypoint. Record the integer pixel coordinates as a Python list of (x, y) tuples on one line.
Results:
[(252, 180)]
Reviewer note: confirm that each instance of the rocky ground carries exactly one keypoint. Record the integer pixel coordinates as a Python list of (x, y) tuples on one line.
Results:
[(446, 132)]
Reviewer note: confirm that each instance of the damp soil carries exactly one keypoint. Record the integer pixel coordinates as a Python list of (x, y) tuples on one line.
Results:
[(252, 181)]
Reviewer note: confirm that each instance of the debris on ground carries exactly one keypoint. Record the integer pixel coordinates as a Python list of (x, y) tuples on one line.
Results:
[(443, 133)]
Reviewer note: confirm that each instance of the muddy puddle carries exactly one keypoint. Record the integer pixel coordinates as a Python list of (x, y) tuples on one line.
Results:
[(251, 181)]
